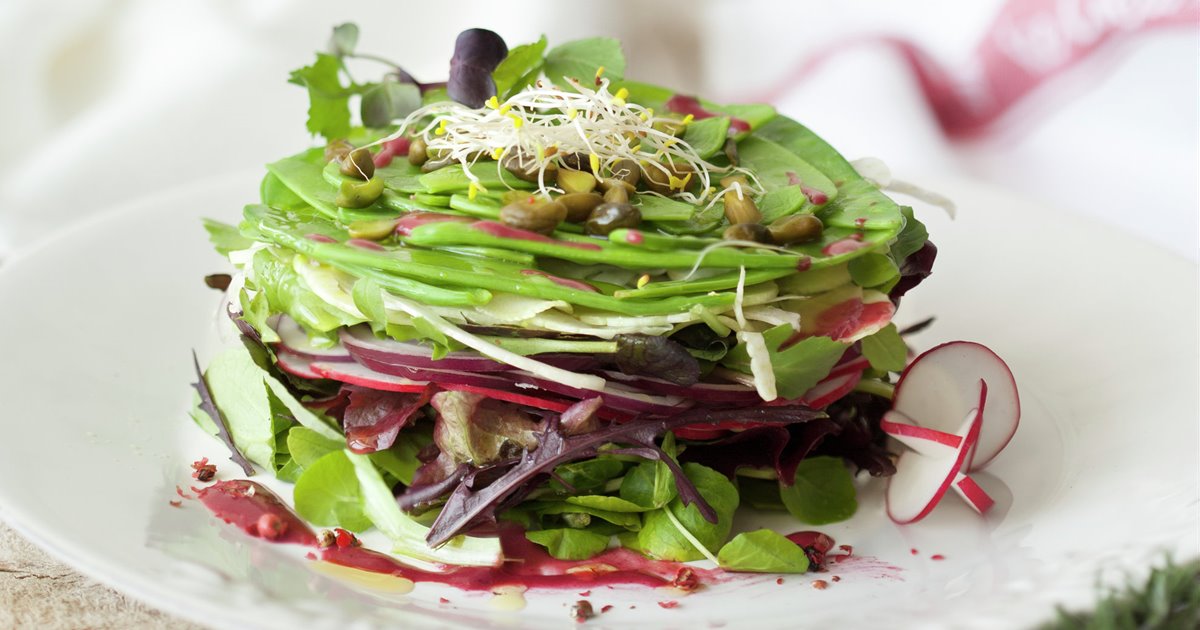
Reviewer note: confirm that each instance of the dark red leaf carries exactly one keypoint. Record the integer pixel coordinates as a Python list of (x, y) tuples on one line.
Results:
[(373, 418)]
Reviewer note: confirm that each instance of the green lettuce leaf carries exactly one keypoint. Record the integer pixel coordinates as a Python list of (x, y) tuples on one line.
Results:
[(328, 494)]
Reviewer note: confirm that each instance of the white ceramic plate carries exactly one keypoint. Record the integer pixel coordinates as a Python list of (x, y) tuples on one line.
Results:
[(97, 324)]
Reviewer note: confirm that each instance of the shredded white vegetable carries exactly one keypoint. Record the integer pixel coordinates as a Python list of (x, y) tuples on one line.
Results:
[(877, 172), (490, 350), (760, 364), (740, 296)]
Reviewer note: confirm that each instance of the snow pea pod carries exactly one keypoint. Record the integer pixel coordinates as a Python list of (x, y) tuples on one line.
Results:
[(444, 269), (597, 251), (703, 285)]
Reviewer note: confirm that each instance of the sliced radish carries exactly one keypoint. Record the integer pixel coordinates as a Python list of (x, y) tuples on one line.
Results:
[(921, 439), (922, 480), (356, 374), (972, 493), (831, 389), (939, 385), (295, 365), (536, 402), (293, 339)]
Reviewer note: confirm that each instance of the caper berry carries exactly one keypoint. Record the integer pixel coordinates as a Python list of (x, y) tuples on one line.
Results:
[(358, 164), (373, 230), (579, 205), (354, 194), (527, 168), (418, 152), (337, 149), (609, 216), (534, 217), (756, 232), (573, 181), (741, 209), (798, 228)]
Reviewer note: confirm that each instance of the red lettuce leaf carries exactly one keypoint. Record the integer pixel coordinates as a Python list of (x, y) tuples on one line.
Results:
[(373, 418)]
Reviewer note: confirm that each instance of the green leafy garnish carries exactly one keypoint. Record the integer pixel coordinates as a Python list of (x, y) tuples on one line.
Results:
[(661, 539), (798, 367), (885, 349), (822, 492), (328, 494), (568, 543), (519, 69), (329, 103), (581, 59), (762, 551)]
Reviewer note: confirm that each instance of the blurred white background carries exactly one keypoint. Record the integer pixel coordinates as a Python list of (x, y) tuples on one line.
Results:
[(109, 100)]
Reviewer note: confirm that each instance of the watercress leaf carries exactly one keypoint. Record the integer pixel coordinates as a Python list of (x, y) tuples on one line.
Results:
[(762, 551), (344, 39), (307, 446), (886, 350), (523, 61), (385, 102), (872, 270), (289, 472), (631, 521), (602, 502), (798, 367), (581, 58), (651, 484), (707, 136), (328, 494), (761, 494), (569, 544), (329, 104), (587, 475), (661, 539), (823, 491)]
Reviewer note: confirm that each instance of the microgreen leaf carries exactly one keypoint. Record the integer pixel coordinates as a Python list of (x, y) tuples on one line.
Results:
[(519, 68), (660, 538), (797, 367), (581, 58), (822, 493), (344, 39), (329, 104), (477, 52), (762, 551), (388, 101)]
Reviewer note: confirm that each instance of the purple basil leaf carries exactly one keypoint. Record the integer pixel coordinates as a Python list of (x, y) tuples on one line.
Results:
[(430, 483), (467, 506), (802, 441), (915, 268), (208, 406), (477, 52)]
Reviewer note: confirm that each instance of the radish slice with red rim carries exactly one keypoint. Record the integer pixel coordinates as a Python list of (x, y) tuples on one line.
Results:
[(293, 339), (938, 387), (922, 480), (972, 493), (362, 376)]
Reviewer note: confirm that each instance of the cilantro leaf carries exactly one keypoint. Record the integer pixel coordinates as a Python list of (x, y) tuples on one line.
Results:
[(329, 103)]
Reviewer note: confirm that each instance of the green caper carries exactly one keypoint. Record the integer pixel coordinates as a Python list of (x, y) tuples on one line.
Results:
[(418, 152), (625, 170), (730, 180), (354, 194), (617, 191), (373, 230), (731, 151), (579, 205), (358, 164), (667, 179), (534, 217), (576, 161), (741, 209), (337, 149), (798, 228), (573, 181), (756, 232), (609, 216), (527, 168)]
